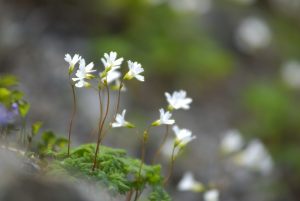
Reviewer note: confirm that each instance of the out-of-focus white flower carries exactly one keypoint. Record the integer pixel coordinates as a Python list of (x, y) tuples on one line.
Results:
[(183, 136), (196, 6), (111, 62), (121, 122), (188, 183), (80, 82), (178, 100), (291, 73), (211, 195), (165, 118), (72, 61), (253, 34), (84, 72), (167, 149), (231, 142), (135, 69), (255, 157), (111, 76)]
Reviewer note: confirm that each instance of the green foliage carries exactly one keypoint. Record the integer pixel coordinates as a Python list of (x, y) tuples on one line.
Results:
[(35, 128), (159, 193), (9, 95), (115, 170), (8, 81), (164, 41), (50, 143)]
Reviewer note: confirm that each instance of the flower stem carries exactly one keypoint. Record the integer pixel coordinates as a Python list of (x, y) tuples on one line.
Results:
[(144, 141), (73, 114), (171, 167), (118, 99), (100, 105), (129, 195), (101, 124), (161, 145)]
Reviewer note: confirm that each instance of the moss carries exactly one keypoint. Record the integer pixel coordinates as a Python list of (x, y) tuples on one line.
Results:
[(115, 170)]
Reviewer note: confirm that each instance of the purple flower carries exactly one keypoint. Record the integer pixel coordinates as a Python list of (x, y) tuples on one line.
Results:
[(8, 116)]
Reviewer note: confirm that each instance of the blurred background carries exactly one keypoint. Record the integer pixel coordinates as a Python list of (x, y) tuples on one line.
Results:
[(238, 59)]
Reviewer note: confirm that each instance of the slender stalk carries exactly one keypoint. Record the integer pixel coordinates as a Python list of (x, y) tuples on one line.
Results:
[(73, 114), (119, 97), (100, 104), (142, 157), (144, 141), (171, 167), (161, 145), (117, 109), (129, 195), (101, 124), (137, 194)]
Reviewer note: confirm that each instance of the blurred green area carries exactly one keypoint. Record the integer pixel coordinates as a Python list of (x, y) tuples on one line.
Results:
[(165, 42)]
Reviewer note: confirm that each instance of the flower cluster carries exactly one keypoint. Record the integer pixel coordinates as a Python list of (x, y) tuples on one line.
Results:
[(176, 101), (110, 73), (85, 73)]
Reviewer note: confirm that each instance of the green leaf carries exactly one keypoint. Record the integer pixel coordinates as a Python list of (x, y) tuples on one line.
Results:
[(8, 81), (4, 94), (35, 128), (16, 95), (23, 108), (61, 142), (48, 138)]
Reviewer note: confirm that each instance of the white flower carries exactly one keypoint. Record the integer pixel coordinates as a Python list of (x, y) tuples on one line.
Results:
[(183, 136), (256, 157), (111, 76), (291, 73), (121, 122), (84, 72), (211, 195), (135, 69), (81, 82), (253, 34), (111, 62), (231, 142), (72, 61), (188, 183), (167, 149), (164, 118), (86, 69), (178, 100)]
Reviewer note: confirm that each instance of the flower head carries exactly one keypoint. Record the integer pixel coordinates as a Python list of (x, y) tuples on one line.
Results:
[(84, 72), (188, 183), (255, 157), (111, 76), (231, 142), (183, 136), (178, 100), (111, 62), (135, 69), (72, 61), (211, 195), (165, 118), (121, 122)]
